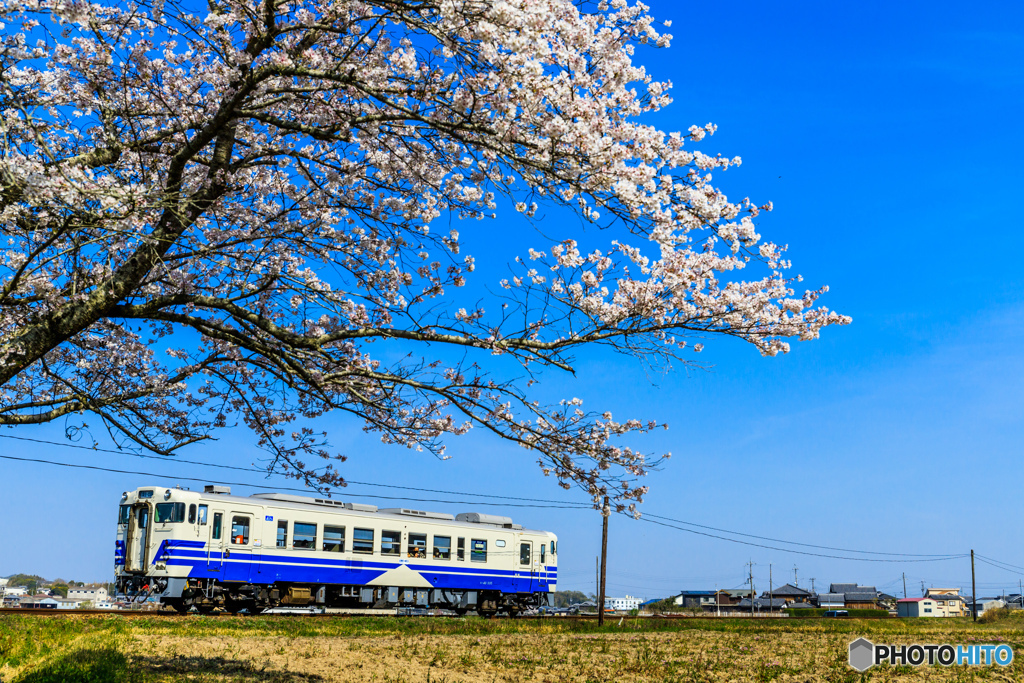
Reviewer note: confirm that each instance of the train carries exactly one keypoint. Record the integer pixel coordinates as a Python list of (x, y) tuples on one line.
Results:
[(211, 550)]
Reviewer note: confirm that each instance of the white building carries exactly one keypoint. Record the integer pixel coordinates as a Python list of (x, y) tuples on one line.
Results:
[(917, 607), (3, 589), (985, 604), (625, 604), (15, 591), (90, 593), (69, 604)]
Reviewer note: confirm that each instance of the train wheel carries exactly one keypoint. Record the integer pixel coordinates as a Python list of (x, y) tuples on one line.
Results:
[(206, 609), (179, 606)]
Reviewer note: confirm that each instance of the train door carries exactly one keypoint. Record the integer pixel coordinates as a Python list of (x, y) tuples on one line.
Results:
[(238, 549), (215, 548), (527, 569), (137, 545)]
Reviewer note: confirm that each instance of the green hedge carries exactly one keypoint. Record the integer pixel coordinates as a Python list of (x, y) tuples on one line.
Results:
[(853, 613)]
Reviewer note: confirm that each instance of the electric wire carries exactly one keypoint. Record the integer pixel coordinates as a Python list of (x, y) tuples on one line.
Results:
[(262, 471), (801, 552), (280, 488), (990, 559), (549, 504), (993, 564)]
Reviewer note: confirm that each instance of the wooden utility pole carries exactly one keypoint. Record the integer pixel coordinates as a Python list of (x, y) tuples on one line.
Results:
[(974, 589), (605, 513), (750, 566), (771, 590), (904, 585)]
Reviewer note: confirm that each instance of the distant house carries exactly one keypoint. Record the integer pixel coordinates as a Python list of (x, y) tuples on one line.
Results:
[(93, 593), (831, 600), (799, 605), (986, 604), (856, 596), (69, 604), (695, 599), (39, 602), (917, 607), (948, 601), (761, 605), (625, 604), (730, 596), (789, 593), (15, 591)]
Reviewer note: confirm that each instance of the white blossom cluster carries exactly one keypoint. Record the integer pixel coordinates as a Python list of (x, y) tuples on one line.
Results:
[(230, 217)]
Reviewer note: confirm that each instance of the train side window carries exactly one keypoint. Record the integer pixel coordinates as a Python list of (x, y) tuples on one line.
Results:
[(282, 533), (202, 515), (239, 530), (442, 547), (543, 547), (390, 542), (524, 553), (417, 545), (216, 525), (334, 539), (478, 551), (362, 541), (304, 536), (124, 514), (192, 513), (460, 552)]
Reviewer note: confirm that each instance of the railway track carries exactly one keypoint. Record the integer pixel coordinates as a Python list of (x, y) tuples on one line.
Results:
[(375, 613)]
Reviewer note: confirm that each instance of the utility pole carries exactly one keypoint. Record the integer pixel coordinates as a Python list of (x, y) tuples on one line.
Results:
[(750, 567), (796, 582), (718, 602), (605, 513), (812, 584), (771, 590), (904, 585), (974, 588)]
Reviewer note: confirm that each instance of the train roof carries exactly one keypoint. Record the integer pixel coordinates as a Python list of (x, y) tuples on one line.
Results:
[(288, 500)]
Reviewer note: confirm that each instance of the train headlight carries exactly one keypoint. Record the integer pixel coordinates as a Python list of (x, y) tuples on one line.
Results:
[(167, 494)]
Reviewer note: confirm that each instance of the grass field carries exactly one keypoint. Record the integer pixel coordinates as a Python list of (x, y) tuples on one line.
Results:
[(95, 649)]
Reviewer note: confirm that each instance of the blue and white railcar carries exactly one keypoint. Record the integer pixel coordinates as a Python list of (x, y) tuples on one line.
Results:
[(212, 549)]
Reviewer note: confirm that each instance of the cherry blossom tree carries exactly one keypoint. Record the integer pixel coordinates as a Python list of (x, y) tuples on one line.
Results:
[(230, 215)]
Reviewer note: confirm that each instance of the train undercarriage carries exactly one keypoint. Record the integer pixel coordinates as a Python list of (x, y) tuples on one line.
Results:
[(207, 595)]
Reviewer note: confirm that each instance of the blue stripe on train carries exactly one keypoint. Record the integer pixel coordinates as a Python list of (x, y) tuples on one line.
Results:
[(184, 553), (254, 571)]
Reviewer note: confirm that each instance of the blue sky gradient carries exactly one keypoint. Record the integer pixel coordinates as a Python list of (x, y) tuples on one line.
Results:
[(888, 137)]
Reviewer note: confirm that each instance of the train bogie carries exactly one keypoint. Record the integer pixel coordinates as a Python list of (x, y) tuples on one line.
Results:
[(212, 549)]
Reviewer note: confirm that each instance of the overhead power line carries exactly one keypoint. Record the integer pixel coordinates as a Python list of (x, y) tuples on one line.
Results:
[(779, 540), (562, 503), (523, 503), (280, 488), (800, 552)]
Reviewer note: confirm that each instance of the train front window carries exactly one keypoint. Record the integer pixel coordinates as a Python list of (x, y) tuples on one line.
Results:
[(124, 514), (479, 551), (239, 530), (417, 545), (543, 547), (202, 515), (304, 536), (362, 541), (334, 539), (442, 547), (552, 547), (169, 513), (390, 542), (282, 533)]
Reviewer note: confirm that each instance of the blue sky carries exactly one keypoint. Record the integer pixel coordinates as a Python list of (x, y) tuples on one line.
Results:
[(888, 137)]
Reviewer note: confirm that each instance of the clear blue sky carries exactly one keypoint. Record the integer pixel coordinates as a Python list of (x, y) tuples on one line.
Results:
[(888, 136)]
